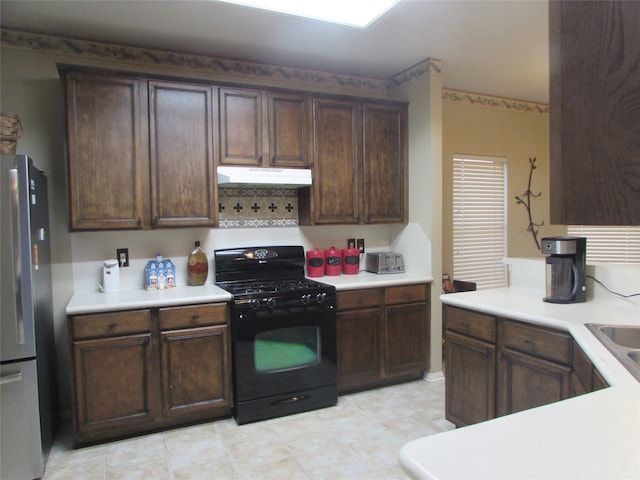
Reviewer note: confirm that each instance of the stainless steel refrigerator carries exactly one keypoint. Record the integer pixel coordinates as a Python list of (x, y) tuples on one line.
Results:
[(27, 382)]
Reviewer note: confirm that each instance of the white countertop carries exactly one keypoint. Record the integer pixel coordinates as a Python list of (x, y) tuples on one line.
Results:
[(592, 436), (372, 280), (94, 302)]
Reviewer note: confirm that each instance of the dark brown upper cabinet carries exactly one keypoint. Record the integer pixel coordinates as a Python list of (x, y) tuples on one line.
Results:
[(264, 129), (360, 163), (140, 152), (106, 150), (595, 112), (183, 192)]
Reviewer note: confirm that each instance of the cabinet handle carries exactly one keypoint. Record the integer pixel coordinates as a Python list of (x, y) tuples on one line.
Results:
[(530, 342), (155, 221), (195, 317), (464, 324), (139, 222), (483, 351), (11, 378), (111, 326)]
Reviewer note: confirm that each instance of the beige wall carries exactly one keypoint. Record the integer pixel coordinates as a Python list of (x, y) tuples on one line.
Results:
[(500, 129)]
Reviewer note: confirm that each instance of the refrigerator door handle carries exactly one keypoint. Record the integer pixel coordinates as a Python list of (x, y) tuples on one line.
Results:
[(11, 378), (17, 267)]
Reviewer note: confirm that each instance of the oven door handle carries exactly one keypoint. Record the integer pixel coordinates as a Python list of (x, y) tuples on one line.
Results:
[(294, 399)]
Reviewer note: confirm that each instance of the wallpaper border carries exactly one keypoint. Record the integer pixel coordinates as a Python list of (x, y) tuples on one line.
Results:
[(226, 67), (478, 99), (159, 58)]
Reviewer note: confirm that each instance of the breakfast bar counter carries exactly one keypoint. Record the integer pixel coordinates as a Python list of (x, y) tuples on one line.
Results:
[(591, 436)]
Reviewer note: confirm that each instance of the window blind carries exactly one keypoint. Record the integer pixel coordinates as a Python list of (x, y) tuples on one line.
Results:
[(480, 221), (609, 243)]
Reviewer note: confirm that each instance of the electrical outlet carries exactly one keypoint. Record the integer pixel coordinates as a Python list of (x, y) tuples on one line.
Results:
[(351, 242), (360, 244), (122, 254)]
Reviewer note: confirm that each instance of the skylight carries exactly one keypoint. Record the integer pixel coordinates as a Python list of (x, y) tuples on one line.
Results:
[(354, 13)]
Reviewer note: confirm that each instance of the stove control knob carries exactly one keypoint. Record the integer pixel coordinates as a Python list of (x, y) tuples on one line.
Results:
[(271, 302), (306, 298), (320, 297), (255, 304)]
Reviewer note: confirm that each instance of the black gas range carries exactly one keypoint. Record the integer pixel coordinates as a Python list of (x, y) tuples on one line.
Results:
[(283, 332)]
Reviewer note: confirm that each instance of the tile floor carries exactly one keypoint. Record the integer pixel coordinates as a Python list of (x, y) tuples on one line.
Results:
[(357, 439)]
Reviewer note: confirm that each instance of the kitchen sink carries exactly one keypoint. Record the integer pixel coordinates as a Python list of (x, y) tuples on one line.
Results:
[(634, 356), (621, 340), (622, 335)]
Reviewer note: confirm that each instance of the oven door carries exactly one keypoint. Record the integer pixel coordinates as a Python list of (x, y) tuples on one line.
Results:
[(284, 351)]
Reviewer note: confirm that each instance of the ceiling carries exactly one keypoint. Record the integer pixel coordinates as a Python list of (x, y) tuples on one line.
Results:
[(491, 47)]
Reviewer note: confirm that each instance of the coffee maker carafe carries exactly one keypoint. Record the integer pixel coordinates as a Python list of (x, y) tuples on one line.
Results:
[(564, 269)]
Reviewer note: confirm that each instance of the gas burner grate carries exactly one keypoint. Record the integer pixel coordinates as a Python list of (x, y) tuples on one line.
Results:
[(274, 286)]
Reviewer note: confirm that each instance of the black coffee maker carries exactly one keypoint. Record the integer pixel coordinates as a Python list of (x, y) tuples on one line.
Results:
[(564, 269)]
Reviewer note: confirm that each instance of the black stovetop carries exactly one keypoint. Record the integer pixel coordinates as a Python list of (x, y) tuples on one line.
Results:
[(268, 287), (259, 272)]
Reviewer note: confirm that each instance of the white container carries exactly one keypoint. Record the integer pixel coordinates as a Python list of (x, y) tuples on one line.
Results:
[(110, 276)]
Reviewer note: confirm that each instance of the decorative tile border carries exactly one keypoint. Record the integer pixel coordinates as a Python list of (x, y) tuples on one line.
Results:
[(257, 207), (458, 96)]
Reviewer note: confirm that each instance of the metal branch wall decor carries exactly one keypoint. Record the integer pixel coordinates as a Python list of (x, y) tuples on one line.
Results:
[(525, 199)]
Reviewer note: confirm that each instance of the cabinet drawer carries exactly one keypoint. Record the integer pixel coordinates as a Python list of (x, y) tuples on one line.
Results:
[(358, 299), (195, 316), (406, 294), (475, 324), (545, 343), (110, 324)]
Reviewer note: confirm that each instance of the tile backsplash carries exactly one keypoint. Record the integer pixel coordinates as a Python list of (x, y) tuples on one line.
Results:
[(245, 207)]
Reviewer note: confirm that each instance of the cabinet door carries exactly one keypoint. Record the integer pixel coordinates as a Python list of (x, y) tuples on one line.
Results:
[(385, 164), (113, 384), (405, 340), (526, 382), (241, 127), (107, 151), (358, 343), (470, 379), (289, 130), (183, 189), (594, 117), (196, 375), (337, 184)]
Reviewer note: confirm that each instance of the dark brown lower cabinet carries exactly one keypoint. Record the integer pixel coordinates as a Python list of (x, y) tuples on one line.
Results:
[(497, 366), (195, 373), (114, 383), (143, 370), (405, 340), (526, 382), (358, 348), (382, 336), (470, 380)]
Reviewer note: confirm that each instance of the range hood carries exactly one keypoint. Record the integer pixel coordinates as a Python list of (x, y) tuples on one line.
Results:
[(290, 177)]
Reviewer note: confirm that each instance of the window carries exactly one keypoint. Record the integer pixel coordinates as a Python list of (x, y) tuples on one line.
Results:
[(609, 244), (480, 220)]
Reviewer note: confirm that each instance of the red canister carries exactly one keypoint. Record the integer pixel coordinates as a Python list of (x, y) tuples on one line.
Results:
[(315, 262), (332, 261), (350, 261)]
